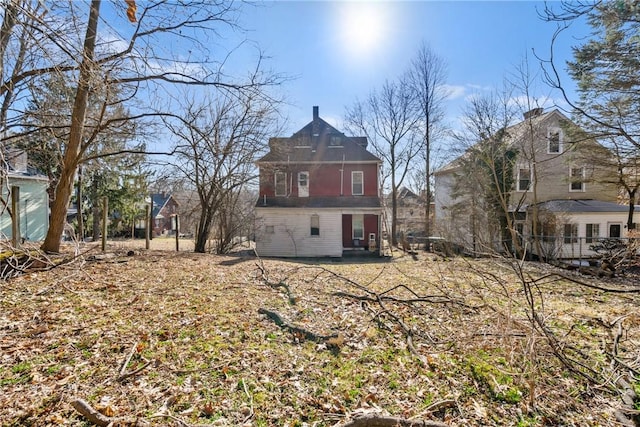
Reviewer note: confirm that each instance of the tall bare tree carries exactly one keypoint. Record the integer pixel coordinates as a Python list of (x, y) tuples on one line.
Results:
[(217, 143), (389, 119), (427, 76), (46, 38)]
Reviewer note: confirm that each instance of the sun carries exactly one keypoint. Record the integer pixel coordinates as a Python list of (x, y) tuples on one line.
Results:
[(362, 28)]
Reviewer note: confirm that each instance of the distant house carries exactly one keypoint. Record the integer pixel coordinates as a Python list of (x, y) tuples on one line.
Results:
[(33, 203), (163, 212), (410, 213), (553, 179), (319, 194)]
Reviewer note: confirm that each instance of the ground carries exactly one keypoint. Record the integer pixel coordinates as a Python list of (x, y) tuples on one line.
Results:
[(177, 338)]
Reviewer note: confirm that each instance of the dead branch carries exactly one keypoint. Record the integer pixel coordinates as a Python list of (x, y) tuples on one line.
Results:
[(381, 421), (296, 330), (274, 285), (95, 417)]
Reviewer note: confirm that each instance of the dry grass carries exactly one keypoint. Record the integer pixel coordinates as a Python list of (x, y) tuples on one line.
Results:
[(172, 336)]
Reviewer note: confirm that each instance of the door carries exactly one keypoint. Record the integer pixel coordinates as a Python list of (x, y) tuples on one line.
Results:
[(303, 184), (615, 230)]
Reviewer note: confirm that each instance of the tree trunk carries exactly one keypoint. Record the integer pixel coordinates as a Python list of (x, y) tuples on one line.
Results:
[(73, 149)]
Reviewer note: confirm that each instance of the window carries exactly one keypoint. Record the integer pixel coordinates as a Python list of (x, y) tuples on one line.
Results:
[(281, 183), (576, 177), (357, 186), (303, 184), (524, 179), (554, 144), (593, 232), (571, 233), (268, 229), (315, 225), (358, 227)]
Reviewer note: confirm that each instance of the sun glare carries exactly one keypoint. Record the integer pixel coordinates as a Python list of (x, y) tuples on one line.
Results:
[(362, 28)]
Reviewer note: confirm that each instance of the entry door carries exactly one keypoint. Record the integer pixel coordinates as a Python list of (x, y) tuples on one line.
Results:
[(303, 184), (615, 230)]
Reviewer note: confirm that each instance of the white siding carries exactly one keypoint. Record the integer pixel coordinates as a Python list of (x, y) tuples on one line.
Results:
[(291, 235), (581, 249)]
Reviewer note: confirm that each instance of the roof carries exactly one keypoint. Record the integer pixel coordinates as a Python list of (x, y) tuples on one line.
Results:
[(513, 134), (320, 202), (583, 206), (317, 142), (158, 201)]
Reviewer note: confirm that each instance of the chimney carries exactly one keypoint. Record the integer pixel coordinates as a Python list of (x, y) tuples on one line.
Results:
[(533, 113), (316, 114)]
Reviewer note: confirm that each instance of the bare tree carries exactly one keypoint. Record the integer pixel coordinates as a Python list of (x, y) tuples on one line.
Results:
[(487, 172), (218, 141), (427, 76), (389, 120), (132, 59)]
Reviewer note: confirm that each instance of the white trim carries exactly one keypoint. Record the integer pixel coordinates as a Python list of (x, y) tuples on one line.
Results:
[(354, 173), (553, 130), (583, 186)]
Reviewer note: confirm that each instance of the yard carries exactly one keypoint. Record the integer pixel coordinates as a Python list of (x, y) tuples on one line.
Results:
[(177, 338)]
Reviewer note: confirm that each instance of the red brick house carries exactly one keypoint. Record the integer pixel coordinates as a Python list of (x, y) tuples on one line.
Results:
[(163, 212), (319, 194)]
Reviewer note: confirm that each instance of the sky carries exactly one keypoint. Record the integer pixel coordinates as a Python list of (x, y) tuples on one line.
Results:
[(338, 52)]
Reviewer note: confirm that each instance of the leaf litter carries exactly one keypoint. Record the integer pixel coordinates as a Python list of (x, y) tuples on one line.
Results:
[(179, 339)]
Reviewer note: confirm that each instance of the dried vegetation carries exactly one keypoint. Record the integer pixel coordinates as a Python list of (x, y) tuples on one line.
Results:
[(163, 338)]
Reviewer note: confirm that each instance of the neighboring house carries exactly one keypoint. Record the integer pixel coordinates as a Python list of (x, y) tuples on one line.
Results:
[(570, 228), (163, 212), (548, 166), (410, 213), (33, 203), (319, 194)]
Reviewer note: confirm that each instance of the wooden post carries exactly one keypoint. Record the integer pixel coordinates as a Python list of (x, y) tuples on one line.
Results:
[(177, 233), (147, 228), (15, 215), (105, 207)]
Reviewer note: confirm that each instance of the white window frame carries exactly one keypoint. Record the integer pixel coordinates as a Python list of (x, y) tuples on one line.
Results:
[(582, 188), (553, 131), (592, 233), (353, 183), (305, 192), (357, 220), (275, 183), (530, 187)]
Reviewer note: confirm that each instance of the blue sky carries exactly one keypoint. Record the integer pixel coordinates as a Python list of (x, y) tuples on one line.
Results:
[(338, 52)]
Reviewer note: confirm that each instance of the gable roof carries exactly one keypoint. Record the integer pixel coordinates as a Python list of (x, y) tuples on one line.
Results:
[(317, 142), (513, 134), (159, 200)]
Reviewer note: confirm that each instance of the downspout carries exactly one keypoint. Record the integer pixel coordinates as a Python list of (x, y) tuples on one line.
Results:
[(342, 177)]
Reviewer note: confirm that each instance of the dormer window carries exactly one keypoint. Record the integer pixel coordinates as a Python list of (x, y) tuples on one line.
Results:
[(554, 141)]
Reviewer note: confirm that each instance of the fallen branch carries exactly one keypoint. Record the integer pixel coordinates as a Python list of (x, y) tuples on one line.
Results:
[(123, 375), (274, 285), (380, 421), (95, 417), (296, 330)]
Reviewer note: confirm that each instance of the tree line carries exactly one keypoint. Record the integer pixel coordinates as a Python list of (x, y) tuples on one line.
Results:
[(84, 91)]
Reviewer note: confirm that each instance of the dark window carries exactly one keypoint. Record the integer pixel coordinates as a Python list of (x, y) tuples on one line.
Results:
[(315, 225)]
